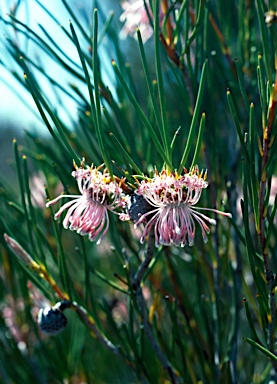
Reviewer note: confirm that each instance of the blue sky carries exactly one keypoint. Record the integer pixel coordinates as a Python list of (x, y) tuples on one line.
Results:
[(31, 13), (11, 107)]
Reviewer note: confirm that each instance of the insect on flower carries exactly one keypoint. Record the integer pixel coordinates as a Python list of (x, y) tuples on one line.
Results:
[(173, 213)]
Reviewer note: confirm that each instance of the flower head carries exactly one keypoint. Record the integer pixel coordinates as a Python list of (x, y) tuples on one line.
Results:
[(87, 213), (173, 215)]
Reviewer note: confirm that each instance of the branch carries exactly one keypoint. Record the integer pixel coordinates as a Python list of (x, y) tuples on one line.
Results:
[(136, 285), (262, 215)]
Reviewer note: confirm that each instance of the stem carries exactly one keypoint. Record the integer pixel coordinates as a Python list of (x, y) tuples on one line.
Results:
[(215, 297), (136, 284), (41, 271), (144, 265), (215, 303), (88, 320), (262, 215), (236, 265)]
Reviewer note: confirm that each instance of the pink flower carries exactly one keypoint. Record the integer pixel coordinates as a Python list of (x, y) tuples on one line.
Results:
[(135, 16), (87, 213), (173, 215)]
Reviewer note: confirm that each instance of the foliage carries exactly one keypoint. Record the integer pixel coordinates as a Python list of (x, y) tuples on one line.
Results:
[(201, 91)]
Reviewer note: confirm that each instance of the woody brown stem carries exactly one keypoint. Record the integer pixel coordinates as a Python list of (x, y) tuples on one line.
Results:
[(136, 284), (262, 215), (90, 323)]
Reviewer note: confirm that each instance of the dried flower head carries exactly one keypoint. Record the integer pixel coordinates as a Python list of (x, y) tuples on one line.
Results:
[(87, 213), (137, 206), (51, 320), (173, 215)]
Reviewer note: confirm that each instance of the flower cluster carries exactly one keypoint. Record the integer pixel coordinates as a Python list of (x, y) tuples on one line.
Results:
[(173, 215), (88, 212), (165, 203)]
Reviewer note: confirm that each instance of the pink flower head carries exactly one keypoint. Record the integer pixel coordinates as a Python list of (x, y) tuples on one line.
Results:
[(135, 16), (173, 215), (87, 213)]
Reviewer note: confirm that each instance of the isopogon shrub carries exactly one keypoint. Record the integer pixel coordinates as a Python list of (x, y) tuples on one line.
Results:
[(153, 249)]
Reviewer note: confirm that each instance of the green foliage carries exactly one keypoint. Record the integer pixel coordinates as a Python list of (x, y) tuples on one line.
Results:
[(201, 91)]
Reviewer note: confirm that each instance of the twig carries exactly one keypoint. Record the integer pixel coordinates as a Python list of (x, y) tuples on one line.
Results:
[(262, 215), (40, 270), (88, 320), (237, 270), (136, 285)]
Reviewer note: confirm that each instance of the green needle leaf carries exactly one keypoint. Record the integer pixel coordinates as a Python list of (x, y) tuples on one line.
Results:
[(261, 348), (199, 140), (194, 117), (142, 116)]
